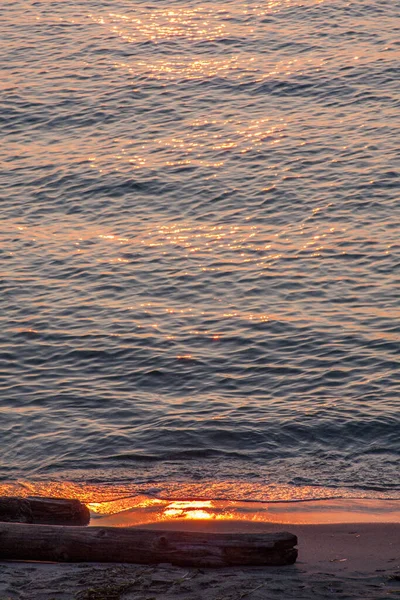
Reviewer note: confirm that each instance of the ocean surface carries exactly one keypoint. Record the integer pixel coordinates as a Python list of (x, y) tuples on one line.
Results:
[(200, 247)]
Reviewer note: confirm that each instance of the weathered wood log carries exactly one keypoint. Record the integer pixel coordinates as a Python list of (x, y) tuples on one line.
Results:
[(52, 511), (17, 510), (145, 546)]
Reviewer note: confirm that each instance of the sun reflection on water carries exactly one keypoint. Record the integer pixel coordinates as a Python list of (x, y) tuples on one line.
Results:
[(109, 507), (189, 510), (254, 251), (204, 21)]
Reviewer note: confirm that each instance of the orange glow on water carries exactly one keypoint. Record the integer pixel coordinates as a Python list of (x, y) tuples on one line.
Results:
[(202, 22), (323, 511), (112, 506), (189, 510)]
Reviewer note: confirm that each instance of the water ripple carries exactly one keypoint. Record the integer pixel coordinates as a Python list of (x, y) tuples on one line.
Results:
[(199, 234)]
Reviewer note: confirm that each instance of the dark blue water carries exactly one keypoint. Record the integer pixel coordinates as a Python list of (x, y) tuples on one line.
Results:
[(200, 245)]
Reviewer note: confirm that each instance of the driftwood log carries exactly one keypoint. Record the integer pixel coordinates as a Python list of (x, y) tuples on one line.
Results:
[(145, 546), (52, 511)]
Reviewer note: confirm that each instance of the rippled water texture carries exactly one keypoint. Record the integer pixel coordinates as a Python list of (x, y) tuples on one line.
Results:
[(200, 244)]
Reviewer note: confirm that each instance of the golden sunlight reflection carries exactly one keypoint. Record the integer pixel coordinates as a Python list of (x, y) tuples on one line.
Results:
[(204, 142), (128, 505), (157, 23), (189, 509), (114, 498), (235, 66), (252, 250)]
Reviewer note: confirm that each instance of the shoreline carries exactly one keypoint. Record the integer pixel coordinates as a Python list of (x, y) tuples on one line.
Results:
[(143, 511)]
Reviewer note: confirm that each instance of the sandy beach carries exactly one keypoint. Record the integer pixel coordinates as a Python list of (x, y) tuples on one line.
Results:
[(356, 561)]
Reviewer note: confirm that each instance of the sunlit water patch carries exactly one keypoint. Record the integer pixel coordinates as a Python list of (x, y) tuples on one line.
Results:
[(178, 505)]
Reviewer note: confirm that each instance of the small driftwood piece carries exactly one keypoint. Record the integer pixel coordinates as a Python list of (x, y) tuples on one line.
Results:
[(145, 546), (52, 511)]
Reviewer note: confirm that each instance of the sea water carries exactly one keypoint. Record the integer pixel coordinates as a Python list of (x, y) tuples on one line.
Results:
[(200, 247)]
